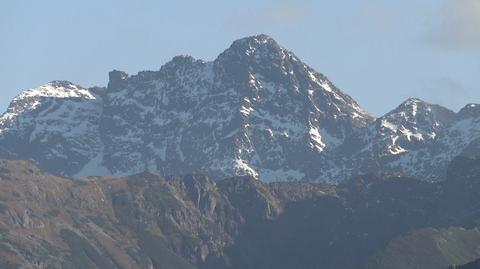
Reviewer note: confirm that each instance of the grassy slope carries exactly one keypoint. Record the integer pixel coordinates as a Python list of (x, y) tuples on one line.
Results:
[(430, 248)]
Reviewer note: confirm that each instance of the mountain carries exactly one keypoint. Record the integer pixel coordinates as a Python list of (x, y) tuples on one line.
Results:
[(255, 110), (149, 221), (56, 125), (406, 140)]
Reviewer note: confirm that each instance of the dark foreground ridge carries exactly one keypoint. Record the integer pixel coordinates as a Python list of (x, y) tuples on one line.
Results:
[(148, 221)]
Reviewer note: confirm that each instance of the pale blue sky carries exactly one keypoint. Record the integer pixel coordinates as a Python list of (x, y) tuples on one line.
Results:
[(380, 52)]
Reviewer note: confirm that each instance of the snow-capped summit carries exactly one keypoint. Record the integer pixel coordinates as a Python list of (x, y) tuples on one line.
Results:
[(469, 111), (412, 124), (55, 125), (256, 47), (463, 135), (416, 138), (263, 108), (257, 109), (57, 89), (32, 98)]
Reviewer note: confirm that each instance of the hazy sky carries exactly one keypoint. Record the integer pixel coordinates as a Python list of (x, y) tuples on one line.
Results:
[(380, 52)]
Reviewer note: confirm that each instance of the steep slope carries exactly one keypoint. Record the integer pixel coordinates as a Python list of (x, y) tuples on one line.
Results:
[(462, 136), (142, 221), (56, 125), (148, 221), (413, 125), (453, 135), (416, 139), (255, 110)]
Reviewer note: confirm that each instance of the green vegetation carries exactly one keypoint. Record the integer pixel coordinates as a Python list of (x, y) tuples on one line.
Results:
[(430, 248)]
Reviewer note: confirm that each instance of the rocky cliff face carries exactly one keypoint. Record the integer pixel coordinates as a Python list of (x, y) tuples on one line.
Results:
[(147, 221), (55, 125), (411, 140), (256, 110)]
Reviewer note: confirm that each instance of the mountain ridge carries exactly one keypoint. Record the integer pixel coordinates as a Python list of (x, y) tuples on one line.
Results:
[(193, 222), (256, 109)]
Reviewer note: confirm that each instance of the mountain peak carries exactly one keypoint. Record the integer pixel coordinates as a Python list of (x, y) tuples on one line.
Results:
[(256, 110), (412, 104), (181, 61), (470, 110), (416, 107), (258, 40), (412, 125), (116, 78), (57, 89), (257, 47), (62, 83), (413, 100)]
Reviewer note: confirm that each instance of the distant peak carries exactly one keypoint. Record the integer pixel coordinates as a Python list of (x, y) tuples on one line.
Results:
[(117, 75), (413, 100), (414, 104), (116, 78), (256, 39), (62, 83), (181, 61), (415, 109), (470, 106), (250, 45), (470, 110), (409, 106), (255, 42), (417, 103), (56, 89)]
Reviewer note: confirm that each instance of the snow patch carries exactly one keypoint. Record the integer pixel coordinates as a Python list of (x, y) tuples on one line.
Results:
[(316, 138), (242, 168), (57, 90)]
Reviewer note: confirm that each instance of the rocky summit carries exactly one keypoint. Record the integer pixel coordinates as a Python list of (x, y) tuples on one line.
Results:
[(251, 161), (255, 110)]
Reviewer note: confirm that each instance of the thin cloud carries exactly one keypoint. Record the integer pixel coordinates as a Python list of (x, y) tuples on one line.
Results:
[(447, 92), (457, 25)]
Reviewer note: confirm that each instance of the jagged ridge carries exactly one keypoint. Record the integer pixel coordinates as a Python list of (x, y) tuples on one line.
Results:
[(255, 110), (192, 222)]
